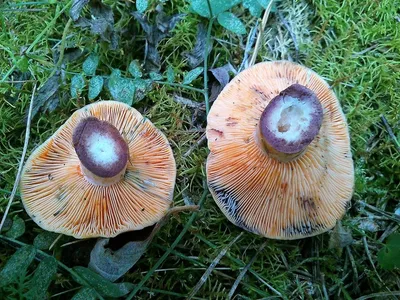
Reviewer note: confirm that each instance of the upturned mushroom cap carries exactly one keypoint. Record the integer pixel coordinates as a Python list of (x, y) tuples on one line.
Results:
[(58, 196), (299, 198)]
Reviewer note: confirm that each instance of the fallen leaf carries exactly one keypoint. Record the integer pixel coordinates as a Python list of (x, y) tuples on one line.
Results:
[(114, 263), (76, 8), (155, 33), (101, 23), (340, 238), (196, 56), (219, 79), (47, 95)]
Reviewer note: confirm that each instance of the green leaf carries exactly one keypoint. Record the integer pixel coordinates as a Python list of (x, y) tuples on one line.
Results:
[(44, 240), (101, 285), (85, 293), (142, 86), (121, 89), (217, 6), (17, 265), (389, 255), (231, 22), (155, 76), (38, 285), (95, 86), (90, 64), (141, 5), (192, 75), (254, 7), (77, 85), (17, 228), (170, 74), (134, 69)]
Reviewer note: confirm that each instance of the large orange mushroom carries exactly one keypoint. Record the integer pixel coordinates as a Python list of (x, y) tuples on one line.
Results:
[(280, 163), (107, 170)]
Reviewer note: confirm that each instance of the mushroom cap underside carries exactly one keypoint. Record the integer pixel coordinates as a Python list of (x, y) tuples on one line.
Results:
[(291, 200), (58, 198)]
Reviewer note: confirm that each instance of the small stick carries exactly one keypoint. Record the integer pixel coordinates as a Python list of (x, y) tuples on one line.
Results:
[(178, 209), (364, 239), (21, 163), (200, 141), (390, 132), (188, 102), (260, 33)]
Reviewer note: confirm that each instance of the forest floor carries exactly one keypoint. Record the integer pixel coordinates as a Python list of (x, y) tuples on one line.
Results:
[(353, 45)]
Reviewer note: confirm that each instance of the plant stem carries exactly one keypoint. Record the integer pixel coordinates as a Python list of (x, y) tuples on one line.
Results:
[(62, 47), (206, 64), (181, 86)]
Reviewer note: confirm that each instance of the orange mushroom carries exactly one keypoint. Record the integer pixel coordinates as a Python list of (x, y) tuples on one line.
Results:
[(107, 170), (280, 163)]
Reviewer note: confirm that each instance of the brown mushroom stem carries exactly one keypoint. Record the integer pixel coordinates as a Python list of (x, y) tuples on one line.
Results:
[(289, 123), (102, 151)]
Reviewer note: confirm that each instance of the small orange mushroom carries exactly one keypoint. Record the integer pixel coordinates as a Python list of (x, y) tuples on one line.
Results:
[(107, 170), (280, 163)]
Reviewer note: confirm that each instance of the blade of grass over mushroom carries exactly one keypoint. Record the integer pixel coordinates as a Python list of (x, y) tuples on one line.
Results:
[(260, 32), (171, 248), (208, 272)]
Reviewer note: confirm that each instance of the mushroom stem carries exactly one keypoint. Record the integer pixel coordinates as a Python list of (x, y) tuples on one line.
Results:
[(102, 151), (289, 123), (102, 181)]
